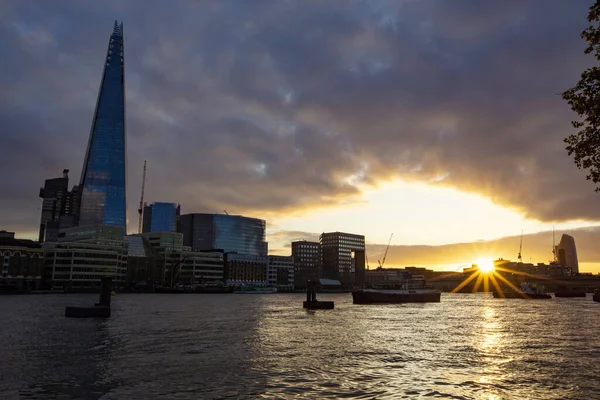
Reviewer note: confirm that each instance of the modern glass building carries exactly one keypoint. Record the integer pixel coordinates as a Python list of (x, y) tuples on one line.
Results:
[(230, 233), (161, 217), (103, 179)]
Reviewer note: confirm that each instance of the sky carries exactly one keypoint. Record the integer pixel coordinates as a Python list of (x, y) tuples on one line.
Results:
[(438, 121)]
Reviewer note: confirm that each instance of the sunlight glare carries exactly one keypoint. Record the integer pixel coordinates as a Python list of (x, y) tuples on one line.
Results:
[(485, 265)]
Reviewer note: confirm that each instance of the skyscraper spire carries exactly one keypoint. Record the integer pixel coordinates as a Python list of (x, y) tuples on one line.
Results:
[(103, 178), (118, 29)]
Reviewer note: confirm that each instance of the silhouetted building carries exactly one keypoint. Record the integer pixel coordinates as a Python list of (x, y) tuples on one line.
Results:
[(566, 253), (307, 262), (85, 254), (22, 262), (59, 207), (246, 269), (359, 268), (144, 267), (280, 273), (180, 264), (336, 250), (228, 233), (103, 178), (161, 217)]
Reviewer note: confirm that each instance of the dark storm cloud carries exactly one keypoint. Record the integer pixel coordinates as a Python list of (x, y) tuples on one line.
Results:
[(268, 105)]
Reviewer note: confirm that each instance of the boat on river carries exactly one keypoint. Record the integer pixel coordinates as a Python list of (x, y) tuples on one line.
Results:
[(525, 291), (596, 296), (250, 289), (412, 290), (569, 293), (195, 288)]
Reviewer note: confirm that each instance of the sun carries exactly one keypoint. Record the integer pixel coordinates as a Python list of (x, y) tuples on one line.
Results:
[(485, 265)]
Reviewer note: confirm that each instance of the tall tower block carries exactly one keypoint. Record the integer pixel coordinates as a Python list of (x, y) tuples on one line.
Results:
[(103, 184)]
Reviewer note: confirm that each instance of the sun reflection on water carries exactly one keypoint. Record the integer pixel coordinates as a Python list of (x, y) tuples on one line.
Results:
[(491, 348)]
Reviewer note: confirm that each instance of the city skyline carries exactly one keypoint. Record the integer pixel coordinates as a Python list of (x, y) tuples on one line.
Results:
[(355, 146)]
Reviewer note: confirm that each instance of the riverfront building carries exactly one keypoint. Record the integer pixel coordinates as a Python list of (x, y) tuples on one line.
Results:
[(85, 254), (181, 265), (103, 178), (22, 262), (307, 262), (246, 269), (337, 260), (227, 233), (280, 271)]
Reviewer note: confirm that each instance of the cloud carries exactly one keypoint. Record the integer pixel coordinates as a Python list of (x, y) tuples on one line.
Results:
[(287, 237), (259, 106)]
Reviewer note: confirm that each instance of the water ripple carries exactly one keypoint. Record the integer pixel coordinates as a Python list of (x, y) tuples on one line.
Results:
[(268, 347)]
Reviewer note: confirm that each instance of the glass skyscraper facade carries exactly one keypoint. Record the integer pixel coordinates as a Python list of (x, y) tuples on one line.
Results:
[(230, 233), (103, 179), (160, 217)]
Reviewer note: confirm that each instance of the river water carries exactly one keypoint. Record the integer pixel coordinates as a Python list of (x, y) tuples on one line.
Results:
[(469, 346)]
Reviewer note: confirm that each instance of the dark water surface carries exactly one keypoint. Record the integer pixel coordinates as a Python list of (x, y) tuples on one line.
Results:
[(267, 346)]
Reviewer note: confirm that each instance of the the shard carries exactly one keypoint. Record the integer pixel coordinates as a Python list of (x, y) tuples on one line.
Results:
[(103, 179)]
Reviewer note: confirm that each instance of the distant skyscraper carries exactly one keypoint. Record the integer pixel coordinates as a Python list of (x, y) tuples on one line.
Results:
[(161, 217), (58, 207), (567, 253), (230, 233), (103, 179)]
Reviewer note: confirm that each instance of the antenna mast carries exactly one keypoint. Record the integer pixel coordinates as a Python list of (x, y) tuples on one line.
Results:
[(141, 208)]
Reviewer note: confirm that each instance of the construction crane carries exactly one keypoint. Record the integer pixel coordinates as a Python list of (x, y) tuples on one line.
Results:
[(520, 248), (554, 246), (386, 251), (141, 208)]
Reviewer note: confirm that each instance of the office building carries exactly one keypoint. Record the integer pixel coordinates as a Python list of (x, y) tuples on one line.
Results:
[(201, 267), (144, 267), (85, 254), (227, 233), (280, 273), (160, 216), (246, 269), (180, 264), (59, 207), (22, 263), (307, 262), (103, 178), (336, 256), (566, 253)]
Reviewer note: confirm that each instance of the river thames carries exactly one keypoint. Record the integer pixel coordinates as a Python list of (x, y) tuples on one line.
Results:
[(266, 346)]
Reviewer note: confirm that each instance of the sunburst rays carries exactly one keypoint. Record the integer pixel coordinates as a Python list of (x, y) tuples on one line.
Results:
[(494, 278)]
